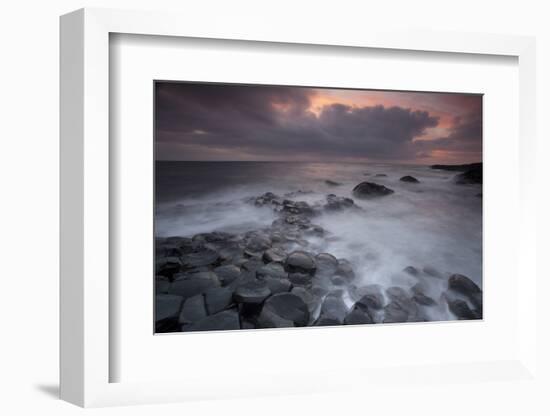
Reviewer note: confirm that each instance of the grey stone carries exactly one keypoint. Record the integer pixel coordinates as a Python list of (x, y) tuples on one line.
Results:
[(167, 306), (285, 307), (367, 190), (225, 320), (274, 254), (227, 274), (193, 310), (300, 262), (253, 292), (217, 299)]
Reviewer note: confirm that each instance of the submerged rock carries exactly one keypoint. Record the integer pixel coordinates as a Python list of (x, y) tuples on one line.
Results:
[(327, 264), (367, 190), (332, 183), (410, 179), (338, 203), (359, 314), (369, 296)]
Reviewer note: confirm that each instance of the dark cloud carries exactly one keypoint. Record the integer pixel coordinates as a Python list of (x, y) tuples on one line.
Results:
[(213, 121)]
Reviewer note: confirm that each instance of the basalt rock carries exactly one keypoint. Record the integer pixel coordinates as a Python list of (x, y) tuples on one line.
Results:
[(300, 262), (225, 320), (410, 179), (286, 306), (366, 190)]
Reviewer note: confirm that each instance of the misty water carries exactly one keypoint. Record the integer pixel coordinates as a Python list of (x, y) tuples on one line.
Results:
[(434, 224)]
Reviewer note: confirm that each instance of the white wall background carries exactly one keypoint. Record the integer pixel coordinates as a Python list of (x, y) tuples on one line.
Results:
[(29, 187)]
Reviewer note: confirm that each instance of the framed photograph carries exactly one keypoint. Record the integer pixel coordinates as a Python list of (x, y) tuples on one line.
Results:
[(269, 205)]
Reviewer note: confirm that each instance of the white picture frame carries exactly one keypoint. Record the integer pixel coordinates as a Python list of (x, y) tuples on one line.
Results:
[(85, 207)]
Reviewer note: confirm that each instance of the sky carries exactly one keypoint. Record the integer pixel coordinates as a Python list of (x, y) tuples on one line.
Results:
[(230, 122)]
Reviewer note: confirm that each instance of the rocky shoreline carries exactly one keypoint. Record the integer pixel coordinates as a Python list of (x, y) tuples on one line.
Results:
[(273, 278)]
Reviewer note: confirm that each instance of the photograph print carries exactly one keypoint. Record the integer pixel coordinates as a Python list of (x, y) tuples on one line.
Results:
[(292, 206)]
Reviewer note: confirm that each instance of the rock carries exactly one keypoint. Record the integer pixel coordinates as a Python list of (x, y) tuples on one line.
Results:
[(167, 306), (252, 265), (333, 309), (358, 315), (380, 175), (338, 280), (345, 269), (300, 279), (227, 274), (204, 257), (463, 285), (474, 175), (300, 262), (401, 308), (432, 272), (297, 207), (274, 255), (193, 310), (461, 309), (332, 183), (312, 300), (282, 308), (367, 190), (273, 270), (258, 243), (217, 299), (410, 179), (326, 263), (269, 198), (420, 297), (167, 266), (277, 285), (423, 299), (327, 321), (370, 296), (221, 321), (338, 203), (413, 271), (195, 284), (162, 284), (253, 292)]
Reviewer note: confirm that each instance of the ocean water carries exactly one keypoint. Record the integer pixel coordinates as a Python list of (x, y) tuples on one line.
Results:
[(435, 223)]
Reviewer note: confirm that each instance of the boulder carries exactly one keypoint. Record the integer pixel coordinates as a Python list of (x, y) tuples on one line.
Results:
[(252, 292), (282, 308), (221, 321), (345, 269), (401, 307), (333, 309), (461, 309), (167, 266), (193, 310), (332, 183), (474, 175), (326, 263), (338, 203), (195, 284), (273, 270), (217, 299), (463, 285), (420, 297), (369, 296), (300, 279), (312, 300), (258, 243), (205, 257), (413, 271), (167, 306), (380, 175), (409, 179), (367, 190), (300, 262), (227, 274), (358, 315), (274, 254)]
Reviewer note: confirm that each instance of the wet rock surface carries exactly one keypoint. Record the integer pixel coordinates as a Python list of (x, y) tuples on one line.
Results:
[(274, 277), (367, 190), (409, 179)]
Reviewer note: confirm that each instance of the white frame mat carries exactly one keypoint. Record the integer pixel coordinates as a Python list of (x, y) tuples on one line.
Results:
[(86, 358)]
